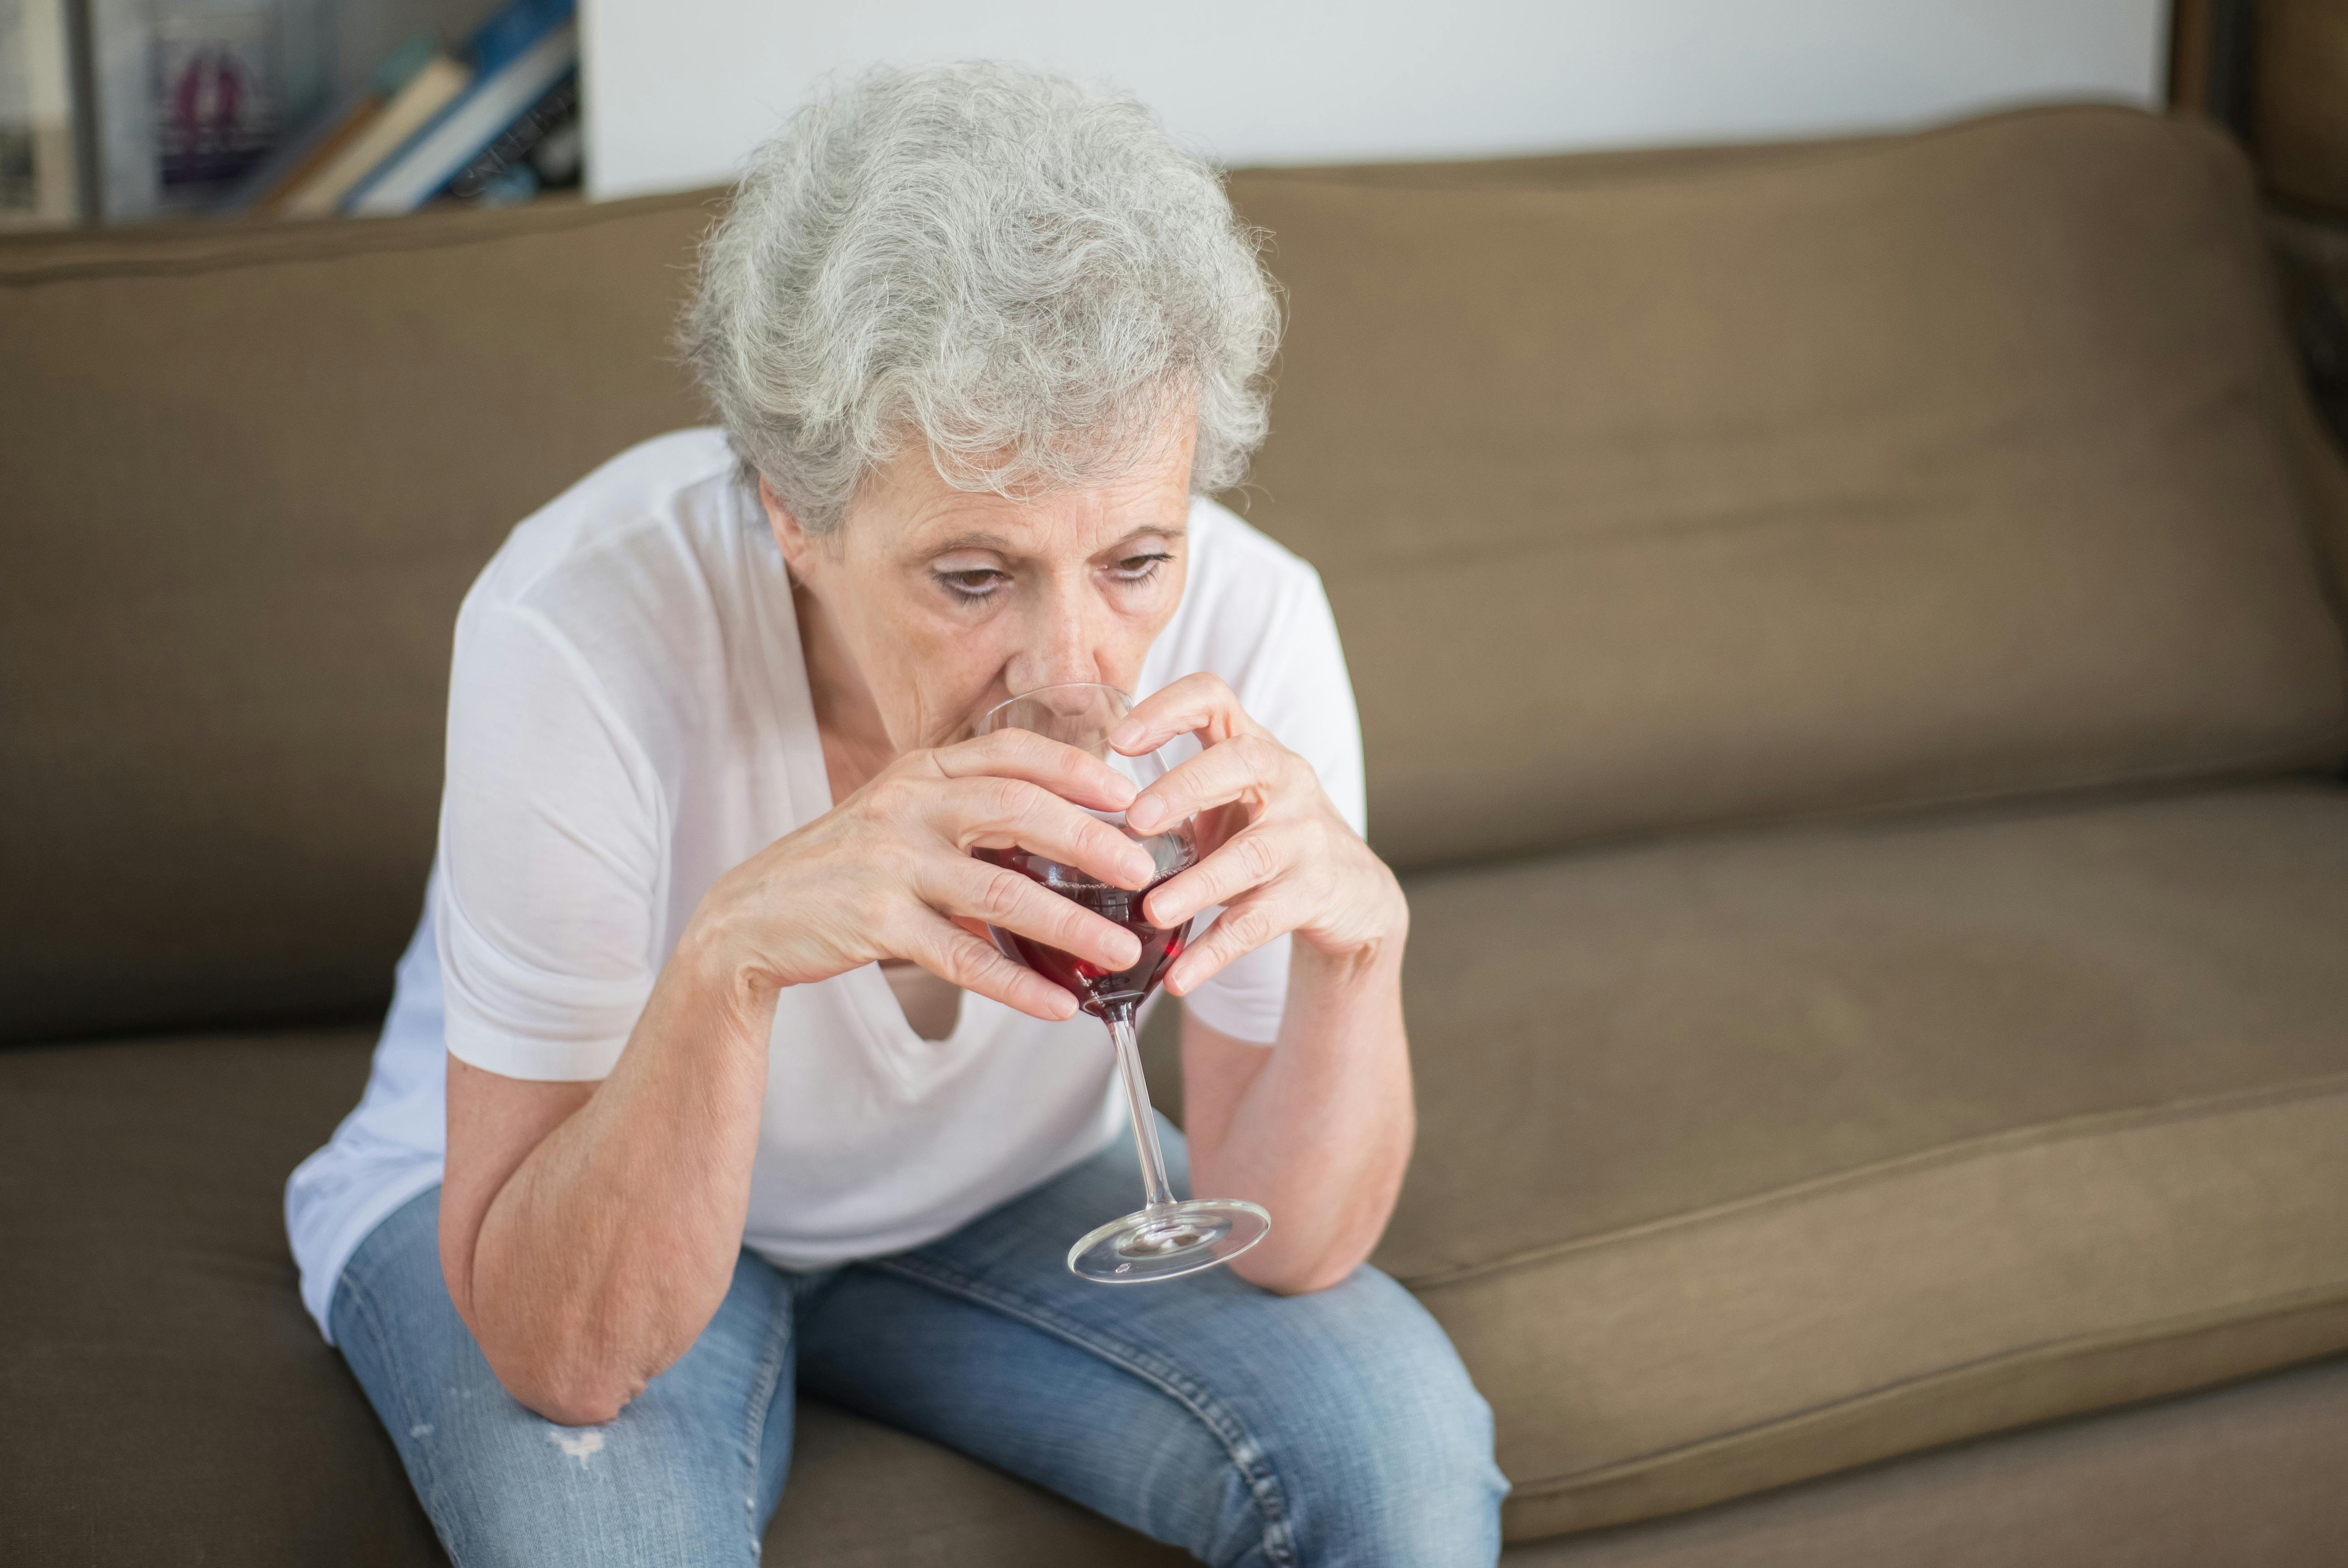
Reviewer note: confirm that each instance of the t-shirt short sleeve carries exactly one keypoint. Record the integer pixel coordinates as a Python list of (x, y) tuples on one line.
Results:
[(552, 856), (1294, 683)]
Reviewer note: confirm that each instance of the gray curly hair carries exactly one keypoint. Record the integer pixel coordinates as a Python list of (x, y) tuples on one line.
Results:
[(1026, 274)]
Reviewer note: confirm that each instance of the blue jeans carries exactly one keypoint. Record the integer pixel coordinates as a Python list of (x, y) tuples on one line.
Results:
[(1249, 1428)]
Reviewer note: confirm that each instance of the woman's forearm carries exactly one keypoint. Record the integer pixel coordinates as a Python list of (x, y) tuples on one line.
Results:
[(609, 1248), (590, 1236), (1321, 1134)]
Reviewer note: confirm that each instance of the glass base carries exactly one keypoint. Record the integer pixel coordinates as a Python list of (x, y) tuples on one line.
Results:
[(1168, 1241)]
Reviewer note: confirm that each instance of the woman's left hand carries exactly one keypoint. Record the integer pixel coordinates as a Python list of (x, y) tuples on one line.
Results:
[(1273, 849)]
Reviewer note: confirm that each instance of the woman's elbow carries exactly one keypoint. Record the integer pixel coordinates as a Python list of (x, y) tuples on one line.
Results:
[(586, 1408), (572, 1397), (1294, 1276)]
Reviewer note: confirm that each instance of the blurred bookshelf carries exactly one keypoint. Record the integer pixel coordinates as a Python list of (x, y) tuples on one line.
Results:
[(141, 111)]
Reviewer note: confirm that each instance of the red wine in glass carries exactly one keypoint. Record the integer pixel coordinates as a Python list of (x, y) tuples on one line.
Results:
[(1166, 1237), (1109, 994)]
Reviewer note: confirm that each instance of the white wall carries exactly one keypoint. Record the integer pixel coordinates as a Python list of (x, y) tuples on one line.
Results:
[(678, 90)]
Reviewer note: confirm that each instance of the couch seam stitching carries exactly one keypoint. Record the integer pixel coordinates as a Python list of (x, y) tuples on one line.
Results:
[(1792, 155), (97, 270), (2331, 1293), (2043, 1135)]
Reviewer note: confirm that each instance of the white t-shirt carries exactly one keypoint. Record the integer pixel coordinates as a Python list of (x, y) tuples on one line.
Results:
[(628, 720)]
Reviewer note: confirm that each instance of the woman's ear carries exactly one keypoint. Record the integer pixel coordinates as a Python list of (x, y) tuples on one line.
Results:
[(793, 541)]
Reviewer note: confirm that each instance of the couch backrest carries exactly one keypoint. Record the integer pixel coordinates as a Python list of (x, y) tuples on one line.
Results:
[(246, 475), (1655, 492), (1651, 491)]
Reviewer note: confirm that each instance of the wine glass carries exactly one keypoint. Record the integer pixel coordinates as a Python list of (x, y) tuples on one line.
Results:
[(1164, 1238)]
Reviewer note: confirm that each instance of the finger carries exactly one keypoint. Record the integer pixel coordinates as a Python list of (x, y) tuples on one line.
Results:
[(1250, 859), (1065, 771), (990, 812), (955, 956), (1241, 929), (959, 885), (1246, 767), (1200, 705)]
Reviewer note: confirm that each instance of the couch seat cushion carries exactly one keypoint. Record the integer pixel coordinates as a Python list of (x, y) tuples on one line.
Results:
[(1747, 1159), (168, 1400)]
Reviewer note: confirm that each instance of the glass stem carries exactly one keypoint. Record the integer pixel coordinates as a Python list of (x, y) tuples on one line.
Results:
[(1156, 1190)]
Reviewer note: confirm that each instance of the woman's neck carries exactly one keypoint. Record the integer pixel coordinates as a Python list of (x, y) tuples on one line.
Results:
[(856, 744)]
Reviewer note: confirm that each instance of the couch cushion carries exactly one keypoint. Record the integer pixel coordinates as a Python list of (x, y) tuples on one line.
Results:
[(168, 1401), (249, 472), (2245, 1476), (1747, 1159), (1699, 488), (862, 1495)]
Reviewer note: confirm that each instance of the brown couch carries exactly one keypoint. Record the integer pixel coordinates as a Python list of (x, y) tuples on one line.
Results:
[(1849, 644)]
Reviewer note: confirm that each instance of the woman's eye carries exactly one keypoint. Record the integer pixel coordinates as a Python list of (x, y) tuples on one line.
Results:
[(1138, 568), (978, 584)]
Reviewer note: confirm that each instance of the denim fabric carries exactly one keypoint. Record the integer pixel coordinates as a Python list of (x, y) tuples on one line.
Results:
[(1249, 1428)]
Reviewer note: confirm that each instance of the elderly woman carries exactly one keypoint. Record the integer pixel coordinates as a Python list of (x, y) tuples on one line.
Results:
[(700, 1086)]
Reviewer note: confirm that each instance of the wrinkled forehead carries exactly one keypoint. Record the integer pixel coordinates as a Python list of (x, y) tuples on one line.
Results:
[(908, 509)]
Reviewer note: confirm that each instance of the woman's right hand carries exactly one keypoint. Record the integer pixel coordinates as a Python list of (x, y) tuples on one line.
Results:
[(889, 873)]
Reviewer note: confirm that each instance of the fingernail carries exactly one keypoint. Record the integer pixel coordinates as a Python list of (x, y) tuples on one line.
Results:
[(1140, 814), (1126, 734)]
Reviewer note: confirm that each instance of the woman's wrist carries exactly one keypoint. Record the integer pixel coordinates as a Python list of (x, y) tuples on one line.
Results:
[(1366, 966), (1370, 912), (721, 975), (1369, 960)]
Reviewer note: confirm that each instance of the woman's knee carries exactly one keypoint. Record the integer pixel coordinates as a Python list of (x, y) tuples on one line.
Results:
[(680, 1475), (536, 1495), (1389, 1458)]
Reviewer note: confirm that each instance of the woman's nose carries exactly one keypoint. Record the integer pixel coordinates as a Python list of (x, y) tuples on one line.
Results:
[(1057, 668), (1063, 646)]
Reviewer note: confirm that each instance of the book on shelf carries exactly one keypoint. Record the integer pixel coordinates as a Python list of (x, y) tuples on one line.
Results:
[(266, 190), (228, 106), (513, 167), (520, 56), (440, 82), (512, 28)]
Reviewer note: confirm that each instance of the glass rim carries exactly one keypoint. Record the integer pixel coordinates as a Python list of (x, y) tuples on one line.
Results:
[(985, 725)]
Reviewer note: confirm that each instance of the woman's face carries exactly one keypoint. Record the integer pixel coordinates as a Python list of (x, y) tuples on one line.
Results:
[(948, 601)]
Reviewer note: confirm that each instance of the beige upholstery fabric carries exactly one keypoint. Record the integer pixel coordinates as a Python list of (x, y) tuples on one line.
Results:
[(146, 1173), (2246, 1477), (1748, 1158), (862, 1495), (1663, 492), (249, 473)]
